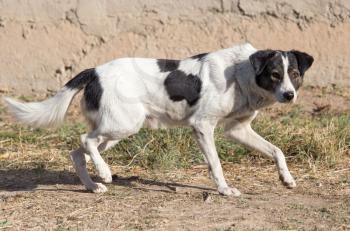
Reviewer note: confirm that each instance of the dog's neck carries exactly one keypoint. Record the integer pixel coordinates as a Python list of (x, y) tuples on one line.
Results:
[(257, 98)]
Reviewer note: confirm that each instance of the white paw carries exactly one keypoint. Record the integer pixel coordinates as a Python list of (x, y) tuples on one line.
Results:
[(104, 173), (99, 188), (228, 191), (106, 176), (288, 181)]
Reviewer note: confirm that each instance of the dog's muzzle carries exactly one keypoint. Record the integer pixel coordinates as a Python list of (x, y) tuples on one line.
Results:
[(288, 96)]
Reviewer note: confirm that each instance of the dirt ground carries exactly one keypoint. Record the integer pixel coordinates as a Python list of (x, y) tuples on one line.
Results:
[(176, 200), (52, 198)]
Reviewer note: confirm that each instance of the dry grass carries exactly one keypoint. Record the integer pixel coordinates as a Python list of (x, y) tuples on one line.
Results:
[(321, 140)]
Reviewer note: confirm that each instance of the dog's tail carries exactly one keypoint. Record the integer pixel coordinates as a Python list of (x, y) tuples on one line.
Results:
[(51, 112)]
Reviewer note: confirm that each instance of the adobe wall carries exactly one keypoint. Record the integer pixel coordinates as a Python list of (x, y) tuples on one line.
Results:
[(43, 43)]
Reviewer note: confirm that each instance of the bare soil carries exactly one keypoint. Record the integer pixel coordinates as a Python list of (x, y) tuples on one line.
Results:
[(176, 200)]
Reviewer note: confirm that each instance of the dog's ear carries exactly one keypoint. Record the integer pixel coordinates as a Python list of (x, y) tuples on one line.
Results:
[(259, 60), (304, 61)]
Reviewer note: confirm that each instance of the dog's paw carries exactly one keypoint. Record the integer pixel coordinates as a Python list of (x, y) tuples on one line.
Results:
[(104, 173), (106, 176), (99, 188), (107, 179), (288, 181), (228, 191)]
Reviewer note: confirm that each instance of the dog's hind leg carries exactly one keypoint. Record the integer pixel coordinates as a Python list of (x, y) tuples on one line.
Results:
[(118, 122), (106, 174), (79, 162), (102, 147), (107, 145), (93, 144), (80, 158)]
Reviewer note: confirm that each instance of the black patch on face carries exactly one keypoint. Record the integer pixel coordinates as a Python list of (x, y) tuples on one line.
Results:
[(92, 94), (199, 56), (293, 71), (81, 79), (267, 63), (260, 59), (180, 86), (304, 60), (166, 65), (268, 68)]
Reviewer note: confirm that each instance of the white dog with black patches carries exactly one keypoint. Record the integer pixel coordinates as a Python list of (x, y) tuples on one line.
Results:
[(224, 87)]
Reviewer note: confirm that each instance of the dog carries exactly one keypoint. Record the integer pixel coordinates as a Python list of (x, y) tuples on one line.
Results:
[(225, 87)]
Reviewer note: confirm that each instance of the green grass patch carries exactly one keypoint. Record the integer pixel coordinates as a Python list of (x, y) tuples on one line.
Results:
[(313, 139), (321, 139)]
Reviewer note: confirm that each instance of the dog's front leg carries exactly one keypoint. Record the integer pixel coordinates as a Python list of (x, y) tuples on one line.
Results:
[(245, 135), (204, 134)]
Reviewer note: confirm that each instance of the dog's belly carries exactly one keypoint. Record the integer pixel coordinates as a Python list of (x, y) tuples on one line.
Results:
[(154, 123), (168, 115)]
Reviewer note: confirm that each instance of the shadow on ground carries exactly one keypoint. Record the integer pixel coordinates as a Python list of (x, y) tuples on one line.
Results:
[(29, 179), (172, 186)]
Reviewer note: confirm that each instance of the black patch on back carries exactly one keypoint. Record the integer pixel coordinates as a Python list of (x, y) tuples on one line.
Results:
[(93, 89), (180, 86), (81, 79), (199, 56), (92, 94), (166, 65)]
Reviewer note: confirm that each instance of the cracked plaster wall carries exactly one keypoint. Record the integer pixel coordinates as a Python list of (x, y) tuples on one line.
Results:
[(43, 43)]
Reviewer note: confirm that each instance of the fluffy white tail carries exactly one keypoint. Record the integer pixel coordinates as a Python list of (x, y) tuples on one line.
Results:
[(51, 112), (47, 113)]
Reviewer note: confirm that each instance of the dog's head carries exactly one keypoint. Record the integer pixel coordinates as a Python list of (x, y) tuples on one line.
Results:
[(281, 73)]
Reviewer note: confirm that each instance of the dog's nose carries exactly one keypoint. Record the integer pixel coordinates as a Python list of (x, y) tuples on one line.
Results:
[(289, 95)]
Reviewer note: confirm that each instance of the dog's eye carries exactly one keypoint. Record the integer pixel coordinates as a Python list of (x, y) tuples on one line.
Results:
[(295, 75), (276, 76)]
